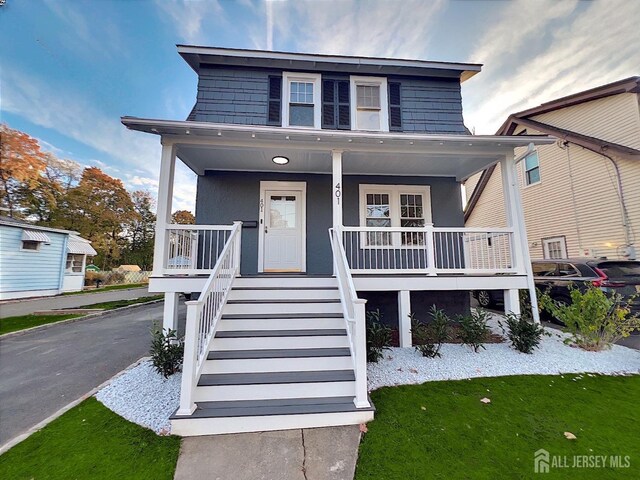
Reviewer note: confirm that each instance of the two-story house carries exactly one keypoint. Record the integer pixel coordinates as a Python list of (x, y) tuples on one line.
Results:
[(324, 183), (581, 195)]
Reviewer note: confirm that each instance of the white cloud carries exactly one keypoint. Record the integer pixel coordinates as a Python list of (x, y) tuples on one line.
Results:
[(590, 48), (374, 28), (189, 17)]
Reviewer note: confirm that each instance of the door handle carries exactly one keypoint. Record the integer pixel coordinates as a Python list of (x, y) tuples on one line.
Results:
[(266, 230)]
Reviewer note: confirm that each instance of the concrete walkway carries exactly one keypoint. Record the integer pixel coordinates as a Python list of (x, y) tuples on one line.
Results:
[(310, 454), (28, 306), (42, 371)]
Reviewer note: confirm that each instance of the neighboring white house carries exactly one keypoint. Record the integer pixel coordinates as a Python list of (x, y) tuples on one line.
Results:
[(324, 183), (40, 261), (581, 195)]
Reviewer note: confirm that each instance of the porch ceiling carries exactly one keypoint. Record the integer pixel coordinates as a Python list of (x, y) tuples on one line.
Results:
[(206, 146)]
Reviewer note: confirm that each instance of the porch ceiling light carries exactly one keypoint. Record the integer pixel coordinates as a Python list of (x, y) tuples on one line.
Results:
[(280, 160)]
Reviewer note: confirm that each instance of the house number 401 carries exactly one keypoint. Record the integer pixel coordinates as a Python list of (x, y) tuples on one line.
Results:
[(338, 193)]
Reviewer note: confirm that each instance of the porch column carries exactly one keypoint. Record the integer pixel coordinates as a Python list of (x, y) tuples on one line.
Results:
[(512, 301), (515, 219), (337, 188), (165, 198), (404, 322), (170, 314)]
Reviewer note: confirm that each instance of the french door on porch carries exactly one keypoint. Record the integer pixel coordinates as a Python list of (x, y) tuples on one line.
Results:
[(282, 245)]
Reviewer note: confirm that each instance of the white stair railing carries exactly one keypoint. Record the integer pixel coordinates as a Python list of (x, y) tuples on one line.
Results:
[(203, 316), (354, 316)]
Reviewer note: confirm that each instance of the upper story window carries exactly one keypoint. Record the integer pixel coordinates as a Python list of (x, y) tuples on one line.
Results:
[(301, 100), (370, 110), (531, 169)]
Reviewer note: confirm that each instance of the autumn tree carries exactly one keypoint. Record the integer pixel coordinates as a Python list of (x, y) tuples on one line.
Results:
[(46, 199), (21, 164), (141, 230), (183, 217), (99, 207)]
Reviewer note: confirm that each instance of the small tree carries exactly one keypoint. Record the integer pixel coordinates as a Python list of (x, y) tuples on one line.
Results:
[(473, 328), (378, 336), (167, 351), (428, 338), (594, 319)]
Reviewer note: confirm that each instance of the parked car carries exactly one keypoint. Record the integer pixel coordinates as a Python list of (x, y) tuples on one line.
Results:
[(554, 276)]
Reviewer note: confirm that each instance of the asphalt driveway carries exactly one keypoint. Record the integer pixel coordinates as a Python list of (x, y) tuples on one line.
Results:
[(42, 371)]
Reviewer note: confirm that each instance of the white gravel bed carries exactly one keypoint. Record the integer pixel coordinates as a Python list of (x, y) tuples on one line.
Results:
[(143, 396), (406, 366)]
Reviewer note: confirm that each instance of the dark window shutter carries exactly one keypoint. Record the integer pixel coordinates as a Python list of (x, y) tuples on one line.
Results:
[(344, 109), (275, 101), (395, 107), (328, 104), (335, 104)]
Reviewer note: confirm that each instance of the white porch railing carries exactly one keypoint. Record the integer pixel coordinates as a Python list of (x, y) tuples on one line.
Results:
[(429, 250), (194, 249), (203, 316), (354, 315)]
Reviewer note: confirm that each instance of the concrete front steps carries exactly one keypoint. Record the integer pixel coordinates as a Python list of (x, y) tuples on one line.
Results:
[(280, 360)]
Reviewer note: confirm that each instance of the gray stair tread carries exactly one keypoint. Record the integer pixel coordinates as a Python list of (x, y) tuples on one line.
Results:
[(279, 353), (312, 332), (286, 275), (274, 402), (276, 377), (270, 316), (288, 301), (308, 409)]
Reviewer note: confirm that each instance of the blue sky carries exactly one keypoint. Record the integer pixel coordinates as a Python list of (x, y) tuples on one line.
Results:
[(71, 68)]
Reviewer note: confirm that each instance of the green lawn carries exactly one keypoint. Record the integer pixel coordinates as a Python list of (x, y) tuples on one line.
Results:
[(13, 324), (90, 441), (108, 287), (123, 303), (441, 430)]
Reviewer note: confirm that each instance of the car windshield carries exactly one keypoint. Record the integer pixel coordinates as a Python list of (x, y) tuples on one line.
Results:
[(620, 269)]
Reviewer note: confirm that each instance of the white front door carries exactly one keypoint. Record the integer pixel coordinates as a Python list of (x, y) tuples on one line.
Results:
[(283, 230)]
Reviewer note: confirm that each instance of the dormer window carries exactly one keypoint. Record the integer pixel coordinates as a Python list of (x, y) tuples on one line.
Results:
[(369, 112), (302, 100)]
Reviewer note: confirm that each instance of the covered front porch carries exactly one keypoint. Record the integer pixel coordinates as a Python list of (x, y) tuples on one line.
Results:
[(392, 199)]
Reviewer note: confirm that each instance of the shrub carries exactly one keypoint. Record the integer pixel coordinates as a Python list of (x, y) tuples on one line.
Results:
[(428, 338), (166, 351), (594, 319), (90, 278), (524, 334), (473, 328), (378, 336)]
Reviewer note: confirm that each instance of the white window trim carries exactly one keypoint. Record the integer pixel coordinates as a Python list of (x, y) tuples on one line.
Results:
[(394, 192), (545, 247), (316, 79), (384, 100), (22, 249), (525, 184), (69, 271)]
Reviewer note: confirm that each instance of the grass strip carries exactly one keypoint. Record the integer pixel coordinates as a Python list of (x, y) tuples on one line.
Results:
[(441, 430), (90, 441)]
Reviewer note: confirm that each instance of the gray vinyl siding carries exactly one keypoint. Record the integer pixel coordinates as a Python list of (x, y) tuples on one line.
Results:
[(232, 96), (224, 197), (431, 106), (240, 96), (22, 271)]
